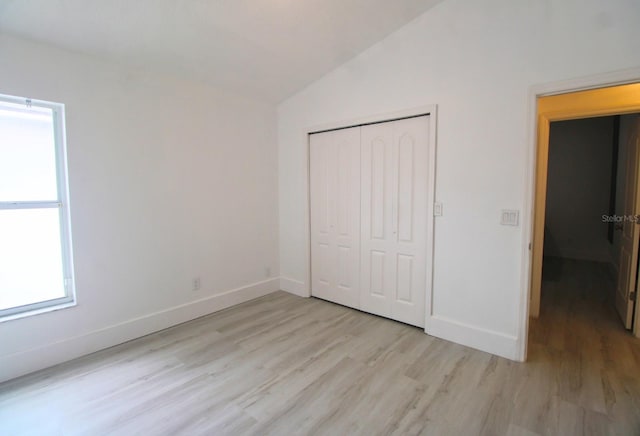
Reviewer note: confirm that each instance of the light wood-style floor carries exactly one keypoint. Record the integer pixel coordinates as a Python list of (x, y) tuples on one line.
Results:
[(285, 365)]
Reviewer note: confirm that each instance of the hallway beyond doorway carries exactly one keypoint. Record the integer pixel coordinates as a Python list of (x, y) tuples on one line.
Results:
[(579, 340)]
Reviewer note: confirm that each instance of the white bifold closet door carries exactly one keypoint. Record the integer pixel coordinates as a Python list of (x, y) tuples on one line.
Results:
[(368, 188), (394, 170), (335, 215)]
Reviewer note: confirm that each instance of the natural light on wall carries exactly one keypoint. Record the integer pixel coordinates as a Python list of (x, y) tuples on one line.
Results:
[(35, 258)]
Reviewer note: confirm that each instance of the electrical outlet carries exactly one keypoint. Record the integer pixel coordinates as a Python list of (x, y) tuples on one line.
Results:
[(267, 272), (196, 284), (437, 209)]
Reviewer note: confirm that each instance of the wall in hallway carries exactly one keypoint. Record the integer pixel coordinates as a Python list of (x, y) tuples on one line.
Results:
[(578, 189)]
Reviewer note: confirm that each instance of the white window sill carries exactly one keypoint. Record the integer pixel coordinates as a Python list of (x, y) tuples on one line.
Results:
[(39, 311)]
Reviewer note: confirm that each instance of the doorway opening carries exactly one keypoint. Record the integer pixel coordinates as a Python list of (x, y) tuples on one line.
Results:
[(587, 206)]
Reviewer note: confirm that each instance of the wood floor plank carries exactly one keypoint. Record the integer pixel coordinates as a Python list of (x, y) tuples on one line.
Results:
[(282, 364)]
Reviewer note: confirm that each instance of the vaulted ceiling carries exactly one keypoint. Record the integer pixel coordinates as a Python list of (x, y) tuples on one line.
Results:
[(267, 48)]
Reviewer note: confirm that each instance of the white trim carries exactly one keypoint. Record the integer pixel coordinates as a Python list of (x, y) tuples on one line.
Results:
[(33, 309), (612, 78), (479, 338), (376, 118), (12, 205), (558, 87), (307, 211), (295, 287), (61, 202), (18, 364), (431, 219), (66, 238)]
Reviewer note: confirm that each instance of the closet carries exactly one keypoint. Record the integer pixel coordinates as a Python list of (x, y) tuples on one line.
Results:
[(369, 197)]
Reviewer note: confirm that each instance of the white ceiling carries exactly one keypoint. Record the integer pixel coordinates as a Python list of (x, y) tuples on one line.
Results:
[(268, 48)]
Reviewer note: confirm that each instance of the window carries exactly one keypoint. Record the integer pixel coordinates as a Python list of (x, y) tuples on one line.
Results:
[(35, 240)]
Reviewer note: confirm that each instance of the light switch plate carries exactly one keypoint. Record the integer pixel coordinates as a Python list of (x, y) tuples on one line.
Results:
[(510, 217), (437, 209)]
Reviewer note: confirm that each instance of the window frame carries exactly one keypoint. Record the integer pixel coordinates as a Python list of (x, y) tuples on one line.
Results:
[(61, 203)]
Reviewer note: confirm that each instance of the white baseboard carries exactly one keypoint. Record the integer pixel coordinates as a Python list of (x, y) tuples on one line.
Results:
[(295, 287), (18, 364), (481, 339)]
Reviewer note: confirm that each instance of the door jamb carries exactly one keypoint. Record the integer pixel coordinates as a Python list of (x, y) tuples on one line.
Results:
[(608, 97)]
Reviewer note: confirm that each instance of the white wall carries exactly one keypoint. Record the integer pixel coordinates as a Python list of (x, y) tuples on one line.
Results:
[(169, 180), (478, 62), (578, 189)]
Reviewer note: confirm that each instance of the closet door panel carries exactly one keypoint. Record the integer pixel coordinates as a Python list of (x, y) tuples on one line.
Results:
[(406, 175), (394, 184), (377, 257), (347, 216), (335, 170), (369, 191), (321, 276), (375, 154), (411, 140)]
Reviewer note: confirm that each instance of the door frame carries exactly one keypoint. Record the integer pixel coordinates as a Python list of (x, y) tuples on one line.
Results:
[(304, 290), (618, 95)]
